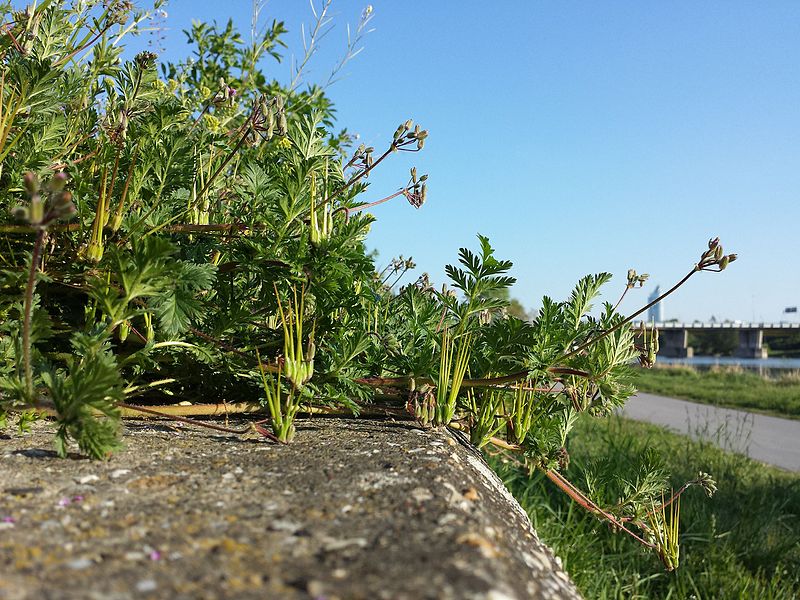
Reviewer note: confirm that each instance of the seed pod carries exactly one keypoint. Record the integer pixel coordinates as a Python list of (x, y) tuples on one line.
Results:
[(398, 132), (407, 125), (279, 102), (420, 143), (732, 257), (423, 194), (713, 243), (282, 125), (724, 263), (414, 174), (718, 253), (424, 178), (124, 330)]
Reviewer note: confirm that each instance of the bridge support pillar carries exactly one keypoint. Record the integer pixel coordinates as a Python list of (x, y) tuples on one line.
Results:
[(674, 343), (751, 344)]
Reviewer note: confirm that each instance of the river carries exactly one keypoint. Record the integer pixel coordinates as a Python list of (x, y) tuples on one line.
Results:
[(762, 365)]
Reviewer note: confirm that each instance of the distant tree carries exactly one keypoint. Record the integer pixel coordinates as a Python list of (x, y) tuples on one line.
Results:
[(784, 345), (716, 342), (515, 308)]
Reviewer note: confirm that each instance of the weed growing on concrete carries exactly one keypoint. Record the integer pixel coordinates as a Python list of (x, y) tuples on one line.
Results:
[(216, 251)]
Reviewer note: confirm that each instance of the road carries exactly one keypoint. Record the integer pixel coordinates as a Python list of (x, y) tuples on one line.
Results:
[(768, 439)]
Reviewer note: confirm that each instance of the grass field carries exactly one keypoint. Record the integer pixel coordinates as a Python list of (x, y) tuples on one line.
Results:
[(731, 387), (744, 543)]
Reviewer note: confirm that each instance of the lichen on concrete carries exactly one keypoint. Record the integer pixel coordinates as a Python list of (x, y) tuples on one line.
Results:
[(351, 509)]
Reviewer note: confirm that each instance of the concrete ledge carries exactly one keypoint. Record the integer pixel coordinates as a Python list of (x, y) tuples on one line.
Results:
[(351, 509)]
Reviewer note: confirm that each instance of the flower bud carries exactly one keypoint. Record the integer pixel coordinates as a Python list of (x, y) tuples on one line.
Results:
[(57, 182), (62, 206), (31, 182)]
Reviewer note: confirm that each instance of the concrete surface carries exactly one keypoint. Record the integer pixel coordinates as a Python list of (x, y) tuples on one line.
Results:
[(351, 509)]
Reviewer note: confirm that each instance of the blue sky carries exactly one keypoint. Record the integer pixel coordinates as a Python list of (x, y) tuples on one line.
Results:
[(580, 137)]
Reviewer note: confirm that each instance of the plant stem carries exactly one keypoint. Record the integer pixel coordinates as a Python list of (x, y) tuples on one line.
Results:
[(26, 322), (241, 431), (628, 319), (361, 174), (360, 207), (467, 383), (578, 496), (621, 298)]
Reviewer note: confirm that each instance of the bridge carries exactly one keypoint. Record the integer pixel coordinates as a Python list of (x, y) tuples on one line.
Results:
[(674, 337)]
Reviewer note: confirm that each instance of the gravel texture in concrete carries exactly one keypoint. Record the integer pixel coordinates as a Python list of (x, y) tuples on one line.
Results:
[(350, 509)]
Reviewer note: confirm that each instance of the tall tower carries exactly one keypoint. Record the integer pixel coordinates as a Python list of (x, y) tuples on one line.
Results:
[(655, 313)]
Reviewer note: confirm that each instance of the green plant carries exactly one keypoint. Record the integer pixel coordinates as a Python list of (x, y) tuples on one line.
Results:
[(743, 543), (200, 198)]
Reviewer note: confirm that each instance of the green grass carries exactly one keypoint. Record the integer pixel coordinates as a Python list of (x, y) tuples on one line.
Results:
[(743, 543), (734, 388)]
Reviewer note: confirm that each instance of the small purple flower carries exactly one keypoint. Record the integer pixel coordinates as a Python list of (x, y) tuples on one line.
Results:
[(155, 555), (77, 498), (64, 501), (8, 520)]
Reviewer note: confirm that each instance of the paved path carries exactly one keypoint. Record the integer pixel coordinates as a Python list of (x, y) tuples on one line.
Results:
[(768, 439)]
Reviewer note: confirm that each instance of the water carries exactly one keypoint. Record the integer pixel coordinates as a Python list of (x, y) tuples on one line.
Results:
[(761, 365)]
